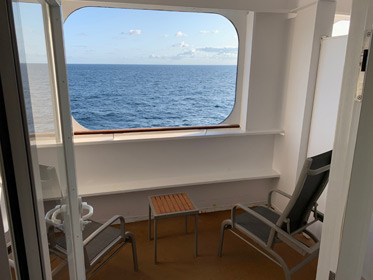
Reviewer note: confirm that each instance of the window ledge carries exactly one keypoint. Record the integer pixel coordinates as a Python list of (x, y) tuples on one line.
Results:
[(169, 135), (171, 182)]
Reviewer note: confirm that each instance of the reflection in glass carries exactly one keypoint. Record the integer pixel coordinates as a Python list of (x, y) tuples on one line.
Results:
[(47, 154)]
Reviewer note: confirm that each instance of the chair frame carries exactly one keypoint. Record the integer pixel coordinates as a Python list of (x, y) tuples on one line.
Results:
[(124, 238), (277, 234)]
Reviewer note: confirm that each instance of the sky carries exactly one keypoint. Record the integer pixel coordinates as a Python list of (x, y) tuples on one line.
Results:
[(123, 36)]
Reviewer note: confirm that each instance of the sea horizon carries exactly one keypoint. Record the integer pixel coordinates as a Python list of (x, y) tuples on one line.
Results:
[(121, 96), (45, 63)]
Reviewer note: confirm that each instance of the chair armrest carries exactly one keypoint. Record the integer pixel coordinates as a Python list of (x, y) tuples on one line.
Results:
[(277, 191), (104, 226)]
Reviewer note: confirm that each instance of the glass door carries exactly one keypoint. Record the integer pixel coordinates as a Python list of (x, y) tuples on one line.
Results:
[(6, 264), (47, 123)]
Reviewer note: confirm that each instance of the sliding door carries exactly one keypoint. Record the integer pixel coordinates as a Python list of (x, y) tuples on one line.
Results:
[(34, 81)]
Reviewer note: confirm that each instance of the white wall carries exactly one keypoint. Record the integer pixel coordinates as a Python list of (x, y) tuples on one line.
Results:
[(289, 67), (267, 71), (212, 197), (118, 167), (326, 103), (306, 30), (130, 163)]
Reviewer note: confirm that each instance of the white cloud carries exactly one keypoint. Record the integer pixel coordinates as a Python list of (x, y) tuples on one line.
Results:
[(180, 34), (181, 45), (219, 50), (215, 31), (135, 32), (157, 56), (166, 36), (204, 31), (191, 53), (227, 55)]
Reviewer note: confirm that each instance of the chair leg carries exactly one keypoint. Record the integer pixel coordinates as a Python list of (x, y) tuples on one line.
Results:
[(282, 263), (132, 240), (224, 225)]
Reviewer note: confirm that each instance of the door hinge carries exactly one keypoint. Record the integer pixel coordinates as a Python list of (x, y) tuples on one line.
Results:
[(363, 65)]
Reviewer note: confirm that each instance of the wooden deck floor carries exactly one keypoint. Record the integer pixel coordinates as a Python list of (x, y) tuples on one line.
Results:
[(176, 259)]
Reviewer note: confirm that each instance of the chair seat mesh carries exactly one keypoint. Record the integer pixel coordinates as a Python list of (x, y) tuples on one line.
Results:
[(98, 244), (256, 226)]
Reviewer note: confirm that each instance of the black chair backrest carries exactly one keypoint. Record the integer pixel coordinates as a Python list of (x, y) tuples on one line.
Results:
[(310, 192)]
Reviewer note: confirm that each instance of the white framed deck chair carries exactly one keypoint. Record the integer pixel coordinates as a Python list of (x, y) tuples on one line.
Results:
[(266, 227), (100, 241)]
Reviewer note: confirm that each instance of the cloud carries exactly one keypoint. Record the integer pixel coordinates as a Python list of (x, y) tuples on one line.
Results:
[(135, 32), (219, 50), (208, 31), (157, 56), (189, 54), (181, 45), (166, 36), (227, 55), (180, 34), (82, 34)]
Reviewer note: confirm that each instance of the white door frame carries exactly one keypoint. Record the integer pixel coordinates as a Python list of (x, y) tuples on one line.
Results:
[(73, 221), (347, 218), (32, 266)]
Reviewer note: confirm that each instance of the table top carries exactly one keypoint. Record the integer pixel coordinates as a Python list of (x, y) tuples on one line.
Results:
[(171, 203)]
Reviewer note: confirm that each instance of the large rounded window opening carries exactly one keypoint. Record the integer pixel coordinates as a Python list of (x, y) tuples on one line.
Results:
[(145, 68)]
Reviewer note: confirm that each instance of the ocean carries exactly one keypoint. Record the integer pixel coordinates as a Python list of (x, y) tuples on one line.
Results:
[(138, 96)]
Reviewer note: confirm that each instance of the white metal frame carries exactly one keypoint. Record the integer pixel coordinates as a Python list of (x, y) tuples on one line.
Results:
[(72, 220), (345, 228), (359, 207)]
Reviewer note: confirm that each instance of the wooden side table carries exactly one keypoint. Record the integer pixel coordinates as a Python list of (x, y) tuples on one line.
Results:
[(171, 205)]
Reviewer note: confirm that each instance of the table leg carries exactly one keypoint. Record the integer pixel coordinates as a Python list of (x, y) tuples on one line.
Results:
[(186, 224), (155, 240), (150, 223), (196, 232)]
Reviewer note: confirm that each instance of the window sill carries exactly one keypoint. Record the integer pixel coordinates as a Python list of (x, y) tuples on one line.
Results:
[(169, 135), (173, 182)]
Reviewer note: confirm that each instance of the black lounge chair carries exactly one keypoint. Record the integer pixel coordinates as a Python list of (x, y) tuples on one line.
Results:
[(99, 241), (266, 227)]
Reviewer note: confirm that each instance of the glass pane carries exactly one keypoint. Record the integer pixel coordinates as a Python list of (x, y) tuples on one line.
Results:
[(47, 151), (146, 68), (5, 235)]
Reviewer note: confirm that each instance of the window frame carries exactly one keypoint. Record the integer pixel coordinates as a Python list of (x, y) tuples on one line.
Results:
[(235, 122)]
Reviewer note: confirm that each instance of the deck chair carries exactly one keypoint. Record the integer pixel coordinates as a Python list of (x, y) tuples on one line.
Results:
[(100, 241), (265, 226)]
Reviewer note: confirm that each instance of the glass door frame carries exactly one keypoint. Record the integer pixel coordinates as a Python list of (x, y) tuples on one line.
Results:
[(15, 153), (53, 17)]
